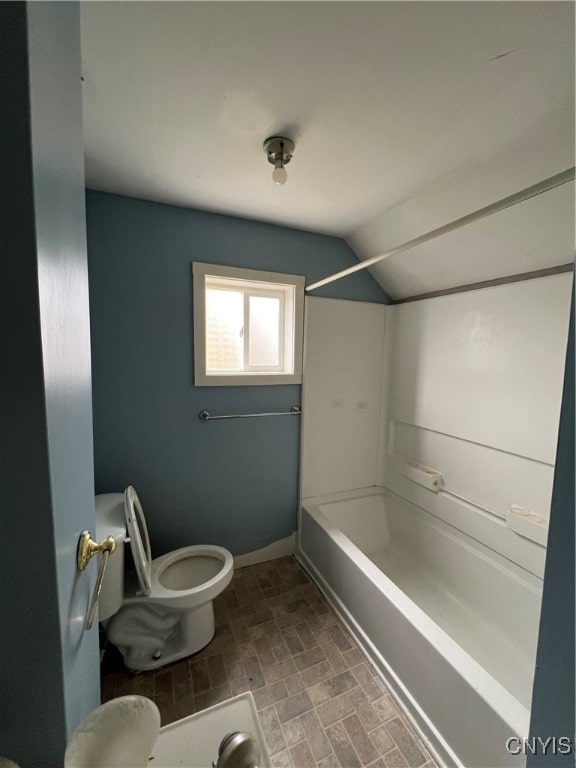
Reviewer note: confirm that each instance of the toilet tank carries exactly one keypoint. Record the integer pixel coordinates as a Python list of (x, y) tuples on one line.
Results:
[(111, 521)]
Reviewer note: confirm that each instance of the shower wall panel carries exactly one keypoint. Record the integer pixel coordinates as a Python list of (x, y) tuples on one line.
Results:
[(341, 395), (474, 393)]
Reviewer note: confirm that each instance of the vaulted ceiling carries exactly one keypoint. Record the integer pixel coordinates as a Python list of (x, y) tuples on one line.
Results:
[(405, 115)]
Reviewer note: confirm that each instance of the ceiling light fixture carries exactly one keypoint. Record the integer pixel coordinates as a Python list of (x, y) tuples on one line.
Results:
[(279, 151)]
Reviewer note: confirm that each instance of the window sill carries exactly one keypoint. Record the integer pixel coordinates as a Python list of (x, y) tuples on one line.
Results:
[(247, 380)]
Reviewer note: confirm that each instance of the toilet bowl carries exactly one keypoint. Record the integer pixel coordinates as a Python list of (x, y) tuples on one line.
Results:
[(163, 610)]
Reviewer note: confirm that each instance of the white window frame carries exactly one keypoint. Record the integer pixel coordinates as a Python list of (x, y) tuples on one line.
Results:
[(273, 284)]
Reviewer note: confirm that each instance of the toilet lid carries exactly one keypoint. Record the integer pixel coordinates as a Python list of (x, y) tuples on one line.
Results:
[(139, 541)]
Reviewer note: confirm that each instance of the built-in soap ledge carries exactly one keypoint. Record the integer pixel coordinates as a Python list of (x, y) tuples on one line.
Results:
[(425, 476), (528, 524)]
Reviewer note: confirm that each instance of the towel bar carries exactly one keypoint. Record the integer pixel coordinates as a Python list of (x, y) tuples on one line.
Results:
[(294, 411)]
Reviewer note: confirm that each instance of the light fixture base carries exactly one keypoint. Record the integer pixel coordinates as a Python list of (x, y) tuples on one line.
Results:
[(279, 147)]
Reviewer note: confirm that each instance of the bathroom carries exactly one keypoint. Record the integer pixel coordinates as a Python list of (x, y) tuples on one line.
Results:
[(236, 483)]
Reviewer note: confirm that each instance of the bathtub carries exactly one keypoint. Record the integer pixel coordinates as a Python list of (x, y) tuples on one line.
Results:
[(452, 625)]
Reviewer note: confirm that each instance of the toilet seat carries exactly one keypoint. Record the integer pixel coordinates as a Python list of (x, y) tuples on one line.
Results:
[(139, 539), (151, 573), (197, 593)]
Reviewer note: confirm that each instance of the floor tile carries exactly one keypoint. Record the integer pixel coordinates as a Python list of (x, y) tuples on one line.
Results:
[(382, 740), (315, 735), (329, 762), (309, 658), (334, 657), (367, 679), (246, 650), (293, 731), (317, 673), (231, 598), (385, 708), (280, 670), (213, 696), (339, 638), (239, 685), (306, 636), (234, 669), (335, 709), (353, 657), (281, 652), (254, 673), (292, 706), (362, 744), (411, 752), (270, 694), (332, 687), (269, 630), (321, 636), (342, 746), (260, 615), (272, 730), (394, 759), (282, 760), (163, 689), (294, 683), (199, 673), (367, 713), (302, 755), (320, 702), (293, 641), (216, 671), (240, 630), (264, 650), (143, 685), (182, 681)]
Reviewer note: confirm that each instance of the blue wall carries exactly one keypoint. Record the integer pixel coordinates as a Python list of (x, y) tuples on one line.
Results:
[(232, 483)]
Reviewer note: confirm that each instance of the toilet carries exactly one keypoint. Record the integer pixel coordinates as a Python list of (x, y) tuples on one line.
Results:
[(163, 610)]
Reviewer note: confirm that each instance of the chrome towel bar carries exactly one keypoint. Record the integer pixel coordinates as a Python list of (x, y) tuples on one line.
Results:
[(294, 411)]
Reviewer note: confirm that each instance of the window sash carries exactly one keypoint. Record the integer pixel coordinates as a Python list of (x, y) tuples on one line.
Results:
[(219, 371), (247, 294), (255, 282), (269, 294)]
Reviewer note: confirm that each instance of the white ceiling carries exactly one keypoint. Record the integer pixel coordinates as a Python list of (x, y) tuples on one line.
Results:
[(384, 100)]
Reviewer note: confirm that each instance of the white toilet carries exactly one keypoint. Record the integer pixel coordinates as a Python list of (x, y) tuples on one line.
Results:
[(163, 611)]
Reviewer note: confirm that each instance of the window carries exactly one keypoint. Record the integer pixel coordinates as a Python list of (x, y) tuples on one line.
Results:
[(247, 326)]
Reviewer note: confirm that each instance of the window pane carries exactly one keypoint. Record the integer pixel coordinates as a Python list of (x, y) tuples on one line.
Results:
[(264, 332), (224, 321)]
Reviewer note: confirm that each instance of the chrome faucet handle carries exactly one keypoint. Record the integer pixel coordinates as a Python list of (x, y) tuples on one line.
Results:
[(238, 750)]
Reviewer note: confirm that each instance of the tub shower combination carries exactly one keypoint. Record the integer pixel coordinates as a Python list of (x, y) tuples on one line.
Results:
[(451, 624)]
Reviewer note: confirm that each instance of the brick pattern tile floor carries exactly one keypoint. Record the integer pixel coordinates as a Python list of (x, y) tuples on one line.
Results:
[(319, 700)]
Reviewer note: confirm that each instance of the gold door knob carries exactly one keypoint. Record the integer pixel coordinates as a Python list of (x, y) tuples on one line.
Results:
[(87, 548)]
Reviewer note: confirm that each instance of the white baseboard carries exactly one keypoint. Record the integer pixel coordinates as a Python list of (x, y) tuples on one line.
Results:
[(273, 551)]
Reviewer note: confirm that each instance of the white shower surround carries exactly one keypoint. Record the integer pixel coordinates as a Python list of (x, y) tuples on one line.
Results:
[(452, 624), (469, 385)]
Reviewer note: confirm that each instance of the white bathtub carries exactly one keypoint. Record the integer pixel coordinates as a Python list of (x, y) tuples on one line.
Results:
[(452, 624)]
